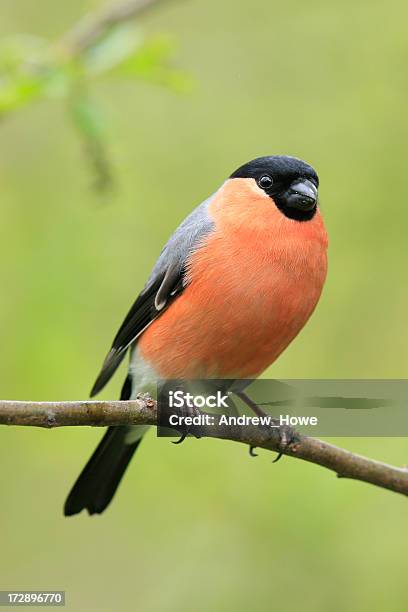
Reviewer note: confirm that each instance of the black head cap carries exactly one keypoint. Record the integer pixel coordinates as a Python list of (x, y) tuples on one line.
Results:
[(290, 182)]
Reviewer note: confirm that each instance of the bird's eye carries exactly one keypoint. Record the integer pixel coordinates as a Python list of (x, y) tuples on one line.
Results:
[(265, 181)]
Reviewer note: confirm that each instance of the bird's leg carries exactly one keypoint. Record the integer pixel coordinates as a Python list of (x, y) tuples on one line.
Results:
[(232, 406), (234, 411), (286, 434), (252, 405)]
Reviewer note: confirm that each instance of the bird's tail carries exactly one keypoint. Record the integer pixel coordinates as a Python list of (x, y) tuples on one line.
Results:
[(97, 483)]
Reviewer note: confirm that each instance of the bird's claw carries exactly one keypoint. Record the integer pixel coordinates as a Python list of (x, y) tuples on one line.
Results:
[(181, 438), (186, 430), (286, 437)]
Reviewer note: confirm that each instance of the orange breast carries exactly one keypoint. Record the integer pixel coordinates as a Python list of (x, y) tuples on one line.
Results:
[(255, 281)]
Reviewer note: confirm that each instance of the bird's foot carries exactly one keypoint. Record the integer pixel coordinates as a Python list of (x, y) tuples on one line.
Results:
[(185, 429), (286, 437)]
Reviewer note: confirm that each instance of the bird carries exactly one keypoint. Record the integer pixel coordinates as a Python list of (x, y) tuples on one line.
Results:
[(233, 286)]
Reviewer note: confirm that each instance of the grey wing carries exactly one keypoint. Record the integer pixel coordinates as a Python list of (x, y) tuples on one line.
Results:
[(165, 283)]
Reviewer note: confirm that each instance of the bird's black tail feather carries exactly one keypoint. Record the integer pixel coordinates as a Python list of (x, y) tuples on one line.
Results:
[(102, 474)]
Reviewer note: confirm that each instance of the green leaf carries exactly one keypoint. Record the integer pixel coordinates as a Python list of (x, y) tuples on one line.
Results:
[(118, 44), (151, 62), (15, 93), (27, 72)]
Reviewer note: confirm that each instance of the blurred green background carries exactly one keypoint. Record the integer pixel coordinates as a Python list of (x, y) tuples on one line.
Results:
[(203, 526)]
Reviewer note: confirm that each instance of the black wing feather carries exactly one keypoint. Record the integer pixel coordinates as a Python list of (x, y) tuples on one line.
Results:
[(142, 313)]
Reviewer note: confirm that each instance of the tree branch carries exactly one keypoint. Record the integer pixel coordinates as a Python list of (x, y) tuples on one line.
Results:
[(93, 27), (143, 411)]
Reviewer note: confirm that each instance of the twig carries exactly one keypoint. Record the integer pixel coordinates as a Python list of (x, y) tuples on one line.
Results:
[(94, 26), (143, 411), (72, 46)]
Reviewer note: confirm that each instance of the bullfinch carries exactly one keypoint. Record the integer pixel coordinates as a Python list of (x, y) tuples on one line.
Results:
[(233, 286)]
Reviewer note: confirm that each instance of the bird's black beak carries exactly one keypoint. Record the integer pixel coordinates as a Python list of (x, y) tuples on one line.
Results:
[(302, 194)]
